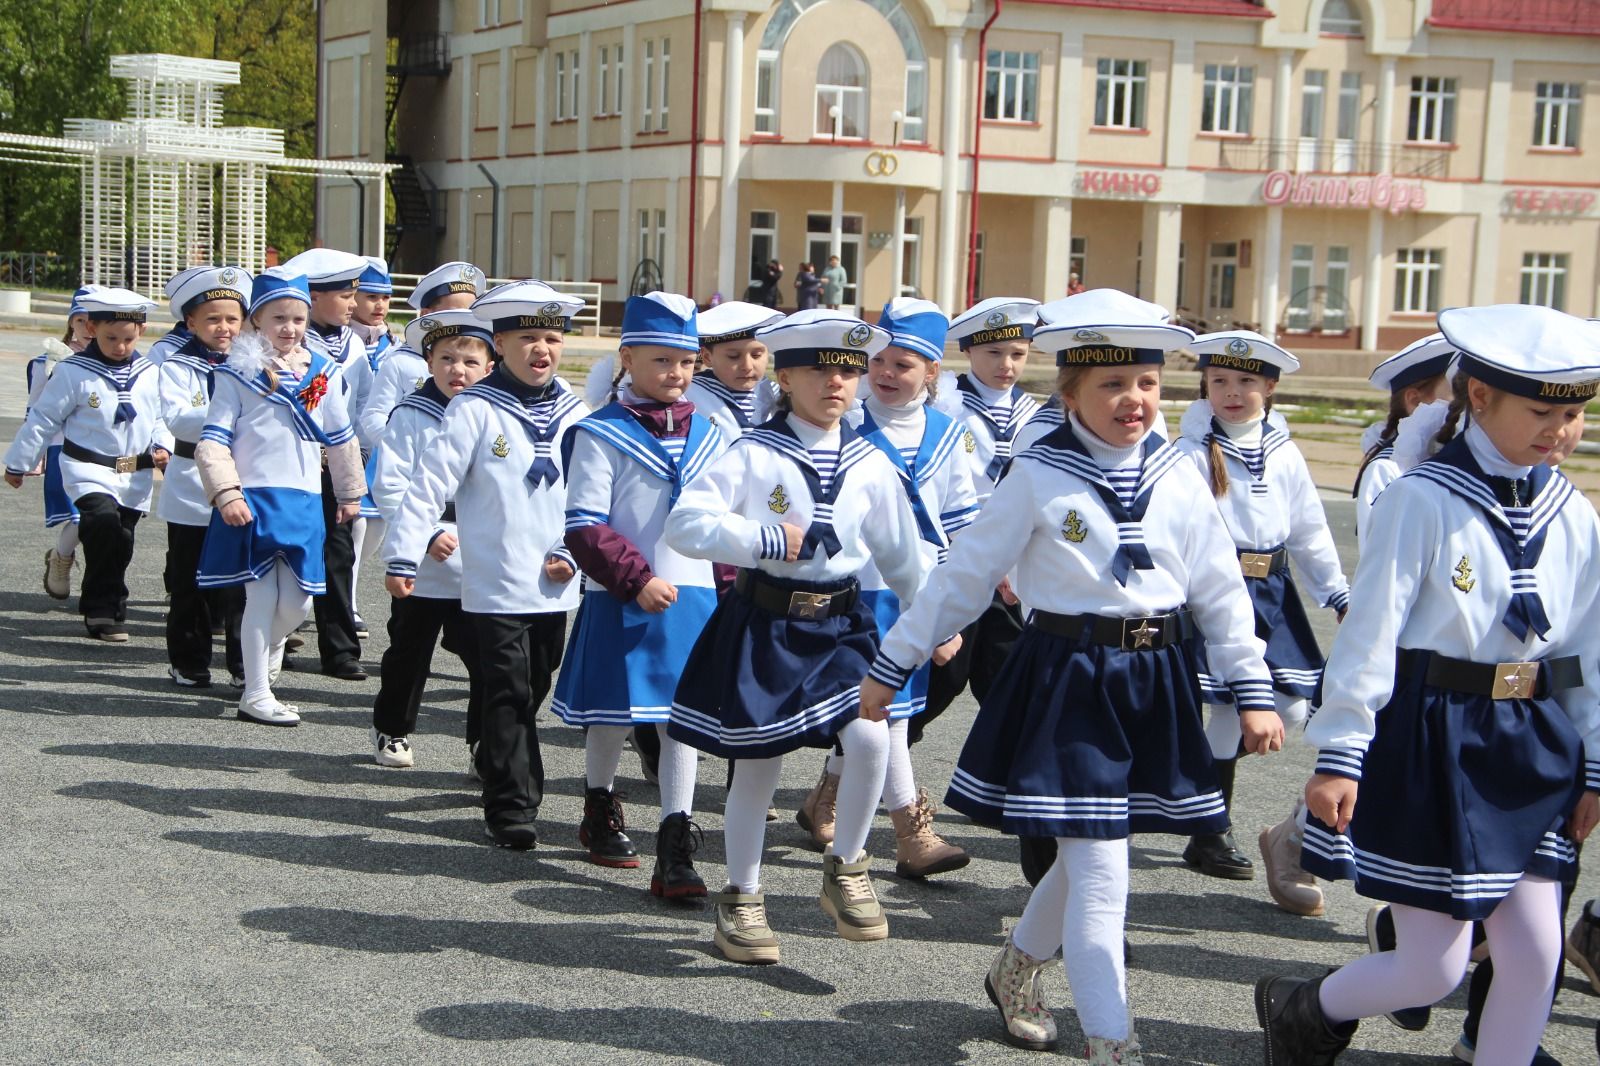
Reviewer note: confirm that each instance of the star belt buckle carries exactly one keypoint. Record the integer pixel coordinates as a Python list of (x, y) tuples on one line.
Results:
[(1254, 564), (1514, 681), (808, 605), (126, 464), (1142, 635)]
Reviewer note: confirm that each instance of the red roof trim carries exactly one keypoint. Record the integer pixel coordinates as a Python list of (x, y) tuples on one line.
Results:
[(1490, 25), (1559, 18), (1231, 8)]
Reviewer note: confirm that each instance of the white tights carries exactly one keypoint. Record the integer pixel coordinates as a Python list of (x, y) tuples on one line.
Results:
[(866, 748), (1222, 724), (273, 607), (1079, 907), (361, 531), (67, 539), (899, 782), (1430, 955), (676, 772)]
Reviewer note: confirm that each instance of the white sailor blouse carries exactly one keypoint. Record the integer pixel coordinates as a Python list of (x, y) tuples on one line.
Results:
[(991, 431), (414, 429), (185, 377), (735, 413), (399, 375)]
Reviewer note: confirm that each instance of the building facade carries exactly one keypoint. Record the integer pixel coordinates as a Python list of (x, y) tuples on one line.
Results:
[(1337, 170)]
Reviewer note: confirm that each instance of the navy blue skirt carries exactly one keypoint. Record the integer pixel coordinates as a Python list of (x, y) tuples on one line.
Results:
[(58, 507), (1460, 796), (1292, 655), (758, 684), (1077, 739)]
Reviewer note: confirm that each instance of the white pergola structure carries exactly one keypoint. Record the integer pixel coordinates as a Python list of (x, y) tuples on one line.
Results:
[(150, 192)]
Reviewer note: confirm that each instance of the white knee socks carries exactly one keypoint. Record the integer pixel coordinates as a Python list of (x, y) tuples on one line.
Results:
[(866, 749), (273, 607), (67, 539), (676, 772), (602, 750), (1430, 955), (745, 819)]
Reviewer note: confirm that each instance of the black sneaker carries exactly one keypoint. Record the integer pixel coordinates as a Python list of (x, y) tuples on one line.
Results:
[(189, 678), (107, 629), (361, 628), (601, 831), (1380, 937), (516, 836), (676, 842)]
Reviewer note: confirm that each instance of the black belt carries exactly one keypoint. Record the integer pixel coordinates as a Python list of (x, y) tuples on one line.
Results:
[(449, 513), (122, 464), (1152, 632), (779, 597), (1260, 564), (1501, 681), (183, 449)]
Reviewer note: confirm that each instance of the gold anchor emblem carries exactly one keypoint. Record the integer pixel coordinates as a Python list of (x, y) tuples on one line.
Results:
[(1464, 581), (94, 400), (968, 441), (1144, 636), (500, 448), (1073, 528), (778, 501), (198, 399), (417, 384)]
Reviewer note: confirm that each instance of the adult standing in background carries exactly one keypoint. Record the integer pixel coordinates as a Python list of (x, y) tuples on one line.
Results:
[(834, 280), (1074, 284), (807, 288), (769, 283)]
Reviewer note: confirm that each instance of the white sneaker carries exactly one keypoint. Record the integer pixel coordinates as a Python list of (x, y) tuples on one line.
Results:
[(269, 712), (58, 573), (391, 751), (275, 662), (472, 763)]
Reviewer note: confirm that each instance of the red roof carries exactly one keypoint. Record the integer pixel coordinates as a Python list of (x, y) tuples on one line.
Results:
[(1237, 8), (1579, 18)]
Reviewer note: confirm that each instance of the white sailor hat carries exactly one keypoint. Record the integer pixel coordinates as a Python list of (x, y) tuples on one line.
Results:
[(1106, 327), (443, 280), (278, 283), (1245, 351), (997, 319), (916, 325), (180, 277), (204, 284), (733, 320), (661, 318), (328, 269), (525, 305), (424, 330), (1535, 352), (115, 305), (77, 299), (1417, 361), (375, 279), (822, 338)]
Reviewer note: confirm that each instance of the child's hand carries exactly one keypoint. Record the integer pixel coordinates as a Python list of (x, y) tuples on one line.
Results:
[(558, 570), (399, 587), (1263, 731), (443, 546), (14, 480), (1332, 800), (947, 651), (159, 457), (1340, 613), (1584, 816), (1007, 597), (657, 596), (875, 699), (347, 512), (796, 537), (237, 513)]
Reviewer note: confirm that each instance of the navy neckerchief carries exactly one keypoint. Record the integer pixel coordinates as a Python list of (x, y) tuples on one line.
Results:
[(375, 350), (1457, 469), (429, 399), (777, 434), (120, 376), (1002, 434), (1256, 466), (617, 426), (939, 437), (538, 410), (1062, 449), (287, 395), (742, 405)]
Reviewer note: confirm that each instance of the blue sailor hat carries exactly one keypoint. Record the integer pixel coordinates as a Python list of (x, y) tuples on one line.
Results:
[(1537, 353), (115, 305), (526, 305), (823, 338), (200, 285), (278, 283), (375, 279), (1245, 351), (916, 325), (328, 269), (1106, 327), (441, 281), (995, 320), (77, 307), (1417, 361), (424, 330), (733, 320), (666, 319)]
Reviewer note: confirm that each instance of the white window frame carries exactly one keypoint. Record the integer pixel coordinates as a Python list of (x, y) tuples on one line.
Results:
[(1557, 114), (1418, 280), (664, 74), (1341, 19), (1432, 117), (653, 240), (1313, 104), (1077, 258), (1227, 99), (1337, 286), (488, 13), (1348, 126), (1121, 96), (852, 100), (911, 259), (1544, 279), (647, 112), (770, 232), (620, 87), (1302, 279), (1011, 85), (602, 97), (914, 128), (766, 110), (561, 86)]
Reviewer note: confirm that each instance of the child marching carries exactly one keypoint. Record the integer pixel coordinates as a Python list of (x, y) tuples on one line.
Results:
[(59, 513), (1416, 376), (369, 322), (733, 390)]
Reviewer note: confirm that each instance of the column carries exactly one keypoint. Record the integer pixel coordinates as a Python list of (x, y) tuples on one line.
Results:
[(1281, 103), (1268, 267), (1372, 286), (836, 225), (1052, 246), (1486, 257), (466, 118), (1383, 131), (625, 235), (950, 245), (1069, 95), (541, 115), (584, 107), (1180, 103), (630, 89), (1161, 231), (506, 80), (897, 277), (1497, 120), (732, 101), (580, 233)]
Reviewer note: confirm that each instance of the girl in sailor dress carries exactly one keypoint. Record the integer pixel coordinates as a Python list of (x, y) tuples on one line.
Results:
[(275, 410), (1093, 730), (1415, 377), (800, 504), (1273, 512), (733, 389), (59, 513), (644, 603), (1469, 698)]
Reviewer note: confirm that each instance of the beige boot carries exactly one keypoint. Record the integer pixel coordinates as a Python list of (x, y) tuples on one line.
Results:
[(816, 812), (918, 851), (848, 898), (1013, 987), (743, 934), (1103, 1051), (58, 574), (1292, 888)]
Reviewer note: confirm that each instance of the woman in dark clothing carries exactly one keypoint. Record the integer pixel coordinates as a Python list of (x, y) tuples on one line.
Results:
[(808, 287)]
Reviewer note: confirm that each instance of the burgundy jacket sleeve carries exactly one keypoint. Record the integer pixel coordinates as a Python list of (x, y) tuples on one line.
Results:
[(610, 558)]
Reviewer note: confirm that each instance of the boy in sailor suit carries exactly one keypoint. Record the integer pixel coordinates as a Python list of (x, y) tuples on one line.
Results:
[(178, 335), (459, 347), (498, 457), (212, 303), (368, 321), (733, 390), (106, 404)]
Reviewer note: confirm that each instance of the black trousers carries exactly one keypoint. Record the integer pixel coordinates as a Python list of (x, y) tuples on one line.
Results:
[(985, 645), (517, 657), (193, 611), (415, 624), (337, 642), (105, 529)]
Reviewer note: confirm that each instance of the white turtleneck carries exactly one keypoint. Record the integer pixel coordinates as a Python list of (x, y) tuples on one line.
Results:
[(823, 444), (1121, 465), (902, 424), (1488, 456), (994, 399), (1246, 434)]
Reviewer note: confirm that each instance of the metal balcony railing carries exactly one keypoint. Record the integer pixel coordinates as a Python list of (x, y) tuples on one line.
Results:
[(1304, 155), (422, 54)]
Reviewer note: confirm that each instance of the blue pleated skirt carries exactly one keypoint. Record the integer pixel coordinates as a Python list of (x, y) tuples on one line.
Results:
[(287, 526), (369, 509), (758, 684), (913, 698), (1077, 739), (58, 507), (623, 663), (1292, 656), (1460, 796)]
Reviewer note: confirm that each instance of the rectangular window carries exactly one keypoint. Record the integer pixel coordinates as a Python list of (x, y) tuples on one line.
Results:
[(1120, 86), (1225, 105), (1078, 259), (1313, 95), (1011, 86), (916, 110), (1418, 277), (1544, 279), (766, 92), (1349, 106), (1433, 110), (602, 96), (1555, 115), (1222, 273), (763, 243), (1302, 263), (653, 240), (616, 96), (561, 86), (573, 75), (911, 259), (647, 114), (666, 81), (1336, 294), (488, 13)]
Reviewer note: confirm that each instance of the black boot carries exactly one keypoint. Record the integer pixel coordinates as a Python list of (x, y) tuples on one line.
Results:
[(601, 831), (676, 842), (1215, 854), (1298, 1033)]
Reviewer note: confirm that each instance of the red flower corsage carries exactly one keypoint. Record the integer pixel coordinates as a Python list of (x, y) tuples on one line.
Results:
[(314, 391)]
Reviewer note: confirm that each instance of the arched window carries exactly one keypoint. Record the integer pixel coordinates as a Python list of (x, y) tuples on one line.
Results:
[(1341, 17), (842, 84)]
